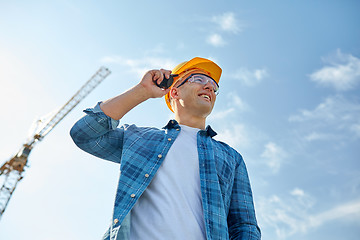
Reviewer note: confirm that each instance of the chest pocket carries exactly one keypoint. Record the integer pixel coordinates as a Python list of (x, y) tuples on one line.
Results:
[(225, 167)]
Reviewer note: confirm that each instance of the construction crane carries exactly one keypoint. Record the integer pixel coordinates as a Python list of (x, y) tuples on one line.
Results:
[(13, 170)]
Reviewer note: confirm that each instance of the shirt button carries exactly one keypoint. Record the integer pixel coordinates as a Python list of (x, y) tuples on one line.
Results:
[(146, 175), (159, 156), (178, 129), (132, 195), (116, 221), (169, 139)]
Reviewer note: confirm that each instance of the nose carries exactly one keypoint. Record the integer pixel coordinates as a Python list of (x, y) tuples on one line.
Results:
[(209, 86)]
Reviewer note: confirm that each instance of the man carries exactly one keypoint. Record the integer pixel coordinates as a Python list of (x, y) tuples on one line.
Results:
[(176, 182)]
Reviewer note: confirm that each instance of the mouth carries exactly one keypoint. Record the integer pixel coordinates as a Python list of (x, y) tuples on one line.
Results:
[(205, 96)]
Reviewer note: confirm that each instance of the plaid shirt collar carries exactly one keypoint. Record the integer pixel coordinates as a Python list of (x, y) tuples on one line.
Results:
[(208, 130)]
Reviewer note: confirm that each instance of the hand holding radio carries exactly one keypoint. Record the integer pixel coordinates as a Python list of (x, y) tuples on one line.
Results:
[(166, 82)]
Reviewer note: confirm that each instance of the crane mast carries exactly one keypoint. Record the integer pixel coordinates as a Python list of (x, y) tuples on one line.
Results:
[(13, 170)]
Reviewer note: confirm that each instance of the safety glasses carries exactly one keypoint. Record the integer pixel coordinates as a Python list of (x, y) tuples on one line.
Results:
[(201, 79)]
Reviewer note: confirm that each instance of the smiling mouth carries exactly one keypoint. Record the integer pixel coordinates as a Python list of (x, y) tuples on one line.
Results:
[(205, 96)]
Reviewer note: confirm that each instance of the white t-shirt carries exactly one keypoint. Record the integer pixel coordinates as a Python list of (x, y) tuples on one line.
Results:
[(171, 206)]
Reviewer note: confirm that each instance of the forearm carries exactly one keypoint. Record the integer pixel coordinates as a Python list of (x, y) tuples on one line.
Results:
[(118, 106), (97, 133)]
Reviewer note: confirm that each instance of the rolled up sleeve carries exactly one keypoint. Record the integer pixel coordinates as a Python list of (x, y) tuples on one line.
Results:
[(97, 134)]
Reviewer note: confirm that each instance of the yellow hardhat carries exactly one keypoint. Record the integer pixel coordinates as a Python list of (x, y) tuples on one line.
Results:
[(207, 65)]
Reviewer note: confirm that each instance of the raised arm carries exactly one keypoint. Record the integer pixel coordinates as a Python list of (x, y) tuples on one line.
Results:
[(118, 106), (97, 132)]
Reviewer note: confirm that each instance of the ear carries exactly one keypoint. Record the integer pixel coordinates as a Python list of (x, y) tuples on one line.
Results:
[(174, 93)]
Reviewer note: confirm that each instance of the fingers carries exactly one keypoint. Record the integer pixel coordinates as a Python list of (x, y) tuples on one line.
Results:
[(165, 72), (158, 75), (153, 78)]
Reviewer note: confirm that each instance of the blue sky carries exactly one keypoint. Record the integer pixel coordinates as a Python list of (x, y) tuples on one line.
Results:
[(289, 103)]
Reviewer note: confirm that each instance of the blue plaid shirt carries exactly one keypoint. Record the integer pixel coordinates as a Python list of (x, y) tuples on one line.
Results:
[(225, 188)]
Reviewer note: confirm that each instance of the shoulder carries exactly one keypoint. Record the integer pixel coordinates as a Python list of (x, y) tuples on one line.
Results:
[(224, 148)]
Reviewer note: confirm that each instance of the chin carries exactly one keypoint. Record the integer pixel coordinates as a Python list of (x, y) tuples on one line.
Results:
[(205, 111)]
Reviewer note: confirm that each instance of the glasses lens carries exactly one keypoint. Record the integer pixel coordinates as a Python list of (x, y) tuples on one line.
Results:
[(200, 79), (203, 79)]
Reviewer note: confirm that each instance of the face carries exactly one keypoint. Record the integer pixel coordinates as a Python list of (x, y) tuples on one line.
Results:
[(195, 97)]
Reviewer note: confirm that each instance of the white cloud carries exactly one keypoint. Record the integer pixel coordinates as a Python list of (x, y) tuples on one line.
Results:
[(274, 156), (222, 114), (235, 105), (318, 136), (349, 210), (336, 113), (324, 111), (250, 78), (141, 65), (297, 192), (216, 40), (355, 128), (238, 102), (236, 136), (285, 214), (342, 72), (294, 214), (227, 22)]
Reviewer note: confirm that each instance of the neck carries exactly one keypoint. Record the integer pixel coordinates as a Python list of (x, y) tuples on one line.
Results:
[(190, 121)]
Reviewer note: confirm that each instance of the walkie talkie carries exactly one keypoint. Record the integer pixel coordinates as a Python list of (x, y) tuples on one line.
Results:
[(166, 82)]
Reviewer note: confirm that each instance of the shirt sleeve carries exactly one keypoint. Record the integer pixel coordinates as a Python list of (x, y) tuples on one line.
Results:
[(97, 134), (241, 218)]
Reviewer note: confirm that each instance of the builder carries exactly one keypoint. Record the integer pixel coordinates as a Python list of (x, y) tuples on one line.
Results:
[(176, 182)]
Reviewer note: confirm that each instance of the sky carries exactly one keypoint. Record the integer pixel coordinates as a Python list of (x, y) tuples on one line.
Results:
[(289, 102)]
